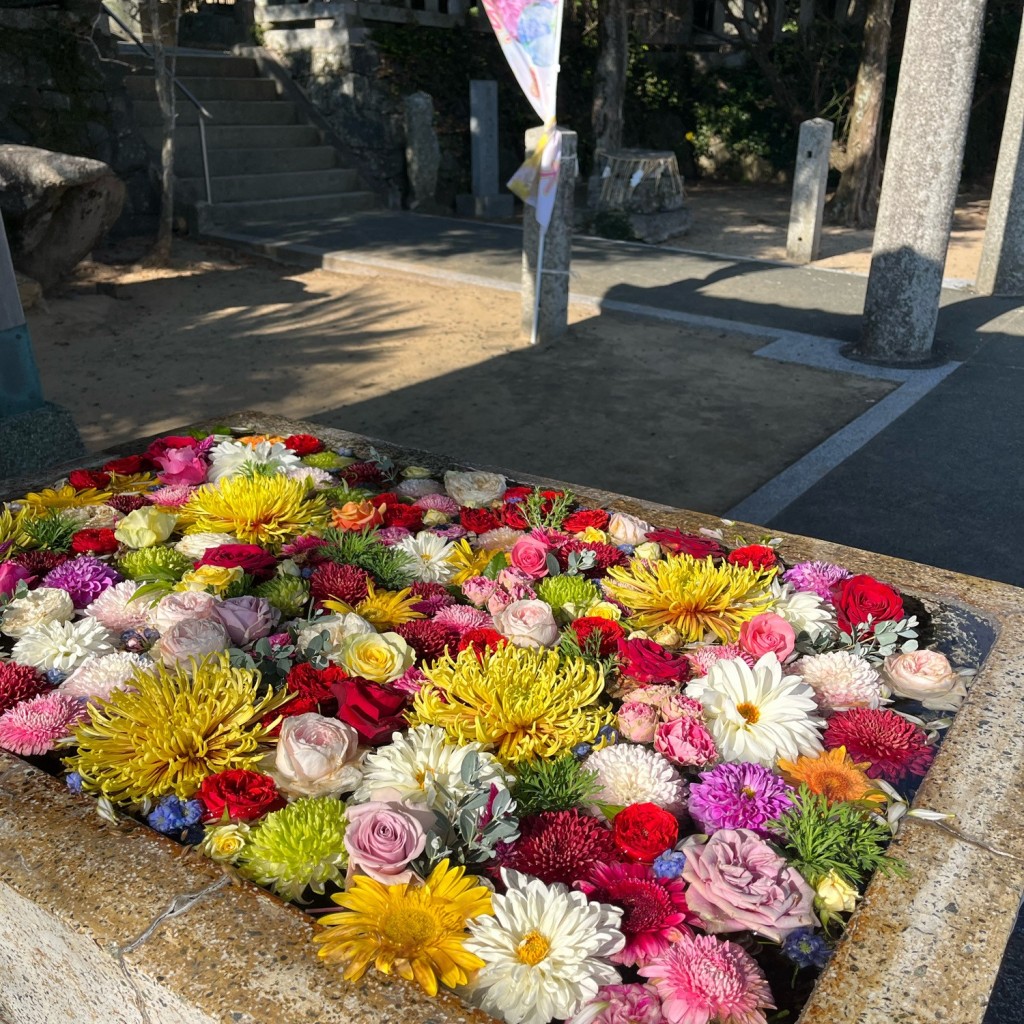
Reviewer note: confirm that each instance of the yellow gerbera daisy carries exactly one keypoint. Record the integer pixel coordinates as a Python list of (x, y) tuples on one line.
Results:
[(52, 499), (415, 930), (834, 775), (694, 597), (467, 562)]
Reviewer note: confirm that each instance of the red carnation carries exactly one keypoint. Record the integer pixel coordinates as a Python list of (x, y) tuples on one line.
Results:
[(692, 544), (308, 681), (405, 516), (94, 542), (585, 518), (753, 556), (648, 662), (610, 633), (607, 555), (303, 444), (244, 795), (128, 466), (478, 520), (362, 474), (83, 479), (481, 640), (125, 503), (374, 711), (430, 640), (643, 832), (894, 747), (860, 596), (336, 582), (559, 846), (299, 705), (250, 558), (18, 683)]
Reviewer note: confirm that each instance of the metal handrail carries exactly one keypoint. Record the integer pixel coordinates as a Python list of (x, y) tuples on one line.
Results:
[(204, 114)]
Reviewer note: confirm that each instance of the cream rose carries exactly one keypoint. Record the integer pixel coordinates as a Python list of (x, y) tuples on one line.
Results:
[(176, 607), (925, 676), (195, 545), (528, 624), (623, 528), (337, 627), (145, 527), (191, 640), (316, 756), (379, 657), (474, 490), (36, 608), (223, 843), (835, 895)]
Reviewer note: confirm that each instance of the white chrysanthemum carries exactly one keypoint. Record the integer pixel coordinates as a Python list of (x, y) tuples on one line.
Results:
[(229, 458), (545, 950), (503, 538), (98, 678), (36, 608), (195, 545), (316, 477), (117, 610), (337, 627), (841, 680), (429, 554), (757, 714), (802, 609), (62, 645), (629, 773), (420, 763), (417, 487)]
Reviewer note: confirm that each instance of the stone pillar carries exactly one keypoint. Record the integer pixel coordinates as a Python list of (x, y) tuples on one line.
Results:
[(422, 152), (806, 17), (20, 390), (810, 180), (922, 171), (1002, 255), (486, 200), (554, 286)]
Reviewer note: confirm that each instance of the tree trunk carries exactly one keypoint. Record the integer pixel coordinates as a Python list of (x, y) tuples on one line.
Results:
[(610, 73), (855, 203), (164, 16)]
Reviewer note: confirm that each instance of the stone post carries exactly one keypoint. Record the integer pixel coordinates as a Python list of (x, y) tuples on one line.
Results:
[(422, 152), (20, 390), (554, 286), (922, 171), (810, 180), (805, 19), (486, 200), (1002, 255)]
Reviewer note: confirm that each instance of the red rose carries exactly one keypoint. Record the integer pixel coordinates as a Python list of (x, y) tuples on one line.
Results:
[(753, 556), (94, 542), (128, 466), (303, 444), (250, 558), (245, 795), (481, 640), (83, 479), (516, 494), (691, 544), (374, 711), (403, 515), (610, 633), (513, 516), (860, 596), (478, 520), (584, 518), (648, 662), (643, 832)]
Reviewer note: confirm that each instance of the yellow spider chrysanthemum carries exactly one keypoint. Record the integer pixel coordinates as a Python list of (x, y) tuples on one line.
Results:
[(265, 510), (11, 531), (385, 609), (693, 597), (171, 730), (834, 775), (467, 562), (415, 930), (519, 702), (52, 499), (130, 483)]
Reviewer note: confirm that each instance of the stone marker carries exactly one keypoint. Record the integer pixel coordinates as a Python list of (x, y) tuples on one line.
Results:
[(1002, 256), (922, 172), (554, 286), (487, 199), (422, 152), (810, 181)]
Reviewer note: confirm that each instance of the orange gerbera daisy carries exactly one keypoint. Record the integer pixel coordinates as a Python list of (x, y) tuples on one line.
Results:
[(832, 774)]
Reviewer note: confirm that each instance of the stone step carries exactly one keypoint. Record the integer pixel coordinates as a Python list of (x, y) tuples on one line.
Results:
[(188, 160), (216, 87), (219, 65), (222, 112), (238, 137), (289, 39), (235, 216), (243, 188), (276, 14)]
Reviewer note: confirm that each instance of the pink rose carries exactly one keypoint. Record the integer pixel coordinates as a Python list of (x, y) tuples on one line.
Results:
[(191, 639), (11, 574), (316, 756), (637, 721), (737, 882), (247, 618), (528, 624), (685, 741), (182, 466), (185, 604), (925, 676), (383, 837), (765, 633), (478, 589), (530, 555)]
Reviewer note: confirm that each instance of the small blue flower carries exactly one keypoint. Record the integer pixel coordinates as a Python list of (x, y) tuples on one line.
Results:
[(670, 864), (305, 573), (581, 750), (191, 812), (806, 949), (74, 782), (627, 549), (55, 677), (346, 452)]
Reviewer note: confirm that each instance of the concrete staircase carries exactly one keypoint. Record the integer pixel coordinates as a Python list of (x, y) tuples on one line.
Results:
[(267, 162)]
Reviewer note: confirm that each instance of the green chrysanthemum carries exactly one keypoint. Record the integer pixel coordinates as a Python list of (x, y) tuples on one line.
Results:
[(327, 460), (156, 563), (301, 846), (288, 594), (576, 591)]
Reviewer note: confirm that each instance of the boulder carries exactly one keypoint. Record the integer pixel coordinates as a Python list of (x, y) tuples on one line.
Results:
[(56, 207)]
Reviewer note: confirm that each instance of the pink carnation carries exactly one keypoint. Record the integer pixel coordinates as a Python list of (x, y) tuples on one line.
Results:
[(622, 1004), (478, 590), (638, 721), (685, 741), (463, 619), (34, 726), (703, 658)]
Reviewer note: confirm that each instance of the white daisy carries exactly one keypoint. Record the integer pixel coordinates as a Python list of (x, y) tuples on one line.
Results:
[(97, 678), (802, 609), (757, 714), (229, 458), (629, 773), (429, 554), (195, 545), (62, 645), (45, 604), (422, 766), (841, 681), (545, 950)]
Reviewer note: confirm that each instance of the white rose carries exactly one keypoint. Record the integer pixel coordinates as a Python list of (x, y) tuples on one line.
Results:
[(316, 756), (925, 676), (623, 528), (36, 608), (337, 627), (528, 624), (474, 490)]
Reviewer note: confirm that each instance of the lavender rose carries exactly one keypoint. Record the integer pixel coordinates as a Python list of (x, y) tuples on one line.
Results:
[(528, 624), (247, 618), (191, 639), (737, 882), (316, 756), (382, 837)]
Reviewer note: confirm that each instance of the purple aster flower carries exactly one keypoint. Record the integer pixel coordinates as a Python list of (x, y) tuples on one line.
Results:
[(84, 578), (819, 577), (393, 534), (806, 949), (451, 532), (738, 796)]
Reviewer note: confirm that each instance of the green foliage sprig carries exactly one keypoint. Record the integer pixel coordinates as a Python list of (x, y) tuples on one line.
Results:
[(51, 532), (558, 785)]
